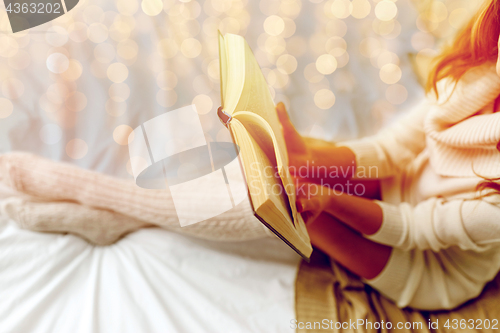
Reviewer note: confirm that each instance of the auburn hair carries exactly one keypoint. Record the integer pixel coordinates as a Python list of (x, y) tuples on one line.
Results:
[(474, 45)]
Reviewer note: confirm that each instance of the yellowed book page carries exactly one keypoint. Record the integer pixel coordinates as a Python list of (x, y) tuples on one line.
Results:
[(259, 128), (255, 97), (265, 192), (260, 173), (234, 69), (223, 68), (298, 238)]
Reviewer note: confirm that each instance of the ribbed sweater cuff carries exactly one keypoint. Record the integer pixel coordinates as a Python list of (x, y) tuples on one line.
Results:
[(392, 228), (366, 156), (393, 278)]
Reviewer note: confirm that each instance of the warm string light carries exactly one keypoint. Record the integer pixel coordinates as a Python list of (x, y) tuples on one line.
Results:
[(189, 31)]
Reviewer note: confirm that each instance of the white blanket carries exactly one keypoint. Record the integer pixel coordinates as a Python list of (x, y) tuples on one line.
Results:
[(150, 281)]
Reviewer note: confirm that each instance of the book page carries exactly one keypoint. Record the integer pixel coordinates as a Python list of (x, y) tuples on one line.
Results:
[(262, 182), (268, 201), (223, 68), (255, 127), (255, 97)]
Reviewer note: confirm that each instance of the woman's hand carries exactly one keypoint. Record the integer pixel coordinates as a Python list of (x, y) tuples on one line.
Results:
[(304, 154), (312, 199), (361, 214), (299, 152)]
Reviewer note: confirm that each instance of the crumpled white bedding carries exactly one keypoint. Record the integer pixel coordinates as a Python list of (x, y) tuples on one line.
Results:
[(151, 281)]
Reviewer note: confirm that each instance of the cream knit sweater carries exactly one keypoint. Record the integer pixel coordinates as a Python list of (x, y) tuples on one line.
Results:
[(48, 196), (427, 161)]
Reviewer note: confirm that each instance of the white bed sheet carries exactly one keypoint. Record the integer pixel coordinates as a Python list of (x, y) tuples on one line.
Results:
[(151, 281)]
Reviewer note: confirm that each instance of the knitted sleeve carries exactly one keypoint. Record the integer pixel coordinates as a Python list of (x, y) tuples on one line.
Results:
[(438, 223), (389, 151), (64, 198)]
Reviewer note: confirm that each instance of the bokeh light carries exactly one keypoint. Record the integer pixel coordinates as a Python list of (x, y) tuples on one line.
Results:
[(152, 7), (341, 8), (166, 52), (121, 134), (458, 17), (386, 57), (360, 8), (386, 10), (74, 71), (336, 46), (312, 74), (57, 63), (390, 73), (77, 149), (191, 48), (117, 72), (97, 32), (326, 64), (76, 102), (324, 99), (274, 25), (119, 92), (286, 64), (203, 103)]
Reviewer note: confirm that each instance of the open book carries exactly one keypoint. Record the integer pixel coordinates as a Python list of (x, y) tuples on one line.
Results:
[(248, 111)]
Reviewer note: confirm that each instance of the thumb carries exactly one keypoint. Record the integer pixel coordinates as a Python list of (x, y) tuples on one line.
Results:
[(308, 204), (291, 135)]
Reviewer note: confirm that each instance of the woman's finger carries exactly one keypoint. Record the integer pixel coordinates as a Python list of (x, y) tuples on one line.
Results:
[(308, 204), (293, 138), (283, 116)]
